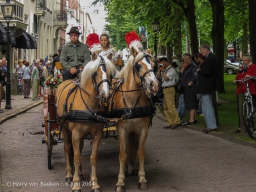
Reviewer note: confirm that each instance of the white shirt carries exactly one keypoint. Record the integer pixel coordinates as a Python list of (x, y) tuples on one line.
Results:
[(172, 75)]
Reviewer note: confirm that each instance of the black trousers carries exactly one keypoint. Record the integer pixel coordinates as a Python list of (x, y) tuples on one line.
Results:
[(67, 75)]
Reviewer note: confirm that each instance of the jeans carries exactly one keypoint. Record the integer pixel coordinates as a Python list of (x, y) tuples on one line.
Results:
[(208, 111), (199, 98), (181, 107)]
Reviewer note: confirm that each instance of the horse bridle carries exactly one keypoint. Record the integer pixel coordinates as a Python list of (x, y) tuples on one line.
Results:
[(95, 84), (136, 69)]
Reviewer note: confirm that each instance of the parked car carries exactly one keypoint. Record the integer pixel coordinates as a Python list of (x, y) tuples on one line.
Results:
[(231, 68)]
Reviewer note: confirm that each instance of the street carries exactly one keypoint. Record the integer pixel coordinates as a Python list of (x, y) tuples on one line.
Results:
[(176, 160)]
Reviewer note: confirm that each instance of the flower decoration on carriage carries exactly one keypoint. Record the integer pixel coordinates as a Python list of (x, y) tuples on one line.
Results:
[(132, 39), (53, 82), (93, 42)]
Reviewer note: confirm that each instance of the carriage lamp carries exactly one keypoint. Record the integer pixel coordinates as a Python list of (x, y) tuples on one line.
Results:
[(155, 29), (7, 10)]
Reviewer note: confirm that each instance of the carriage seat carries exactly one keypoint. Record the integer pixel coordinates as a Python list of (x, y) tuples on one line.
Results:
[(58, 66)]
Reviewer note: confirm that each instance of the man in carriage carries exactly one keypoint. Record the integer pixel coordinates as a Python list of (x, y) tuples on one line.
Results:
[(74, 55)]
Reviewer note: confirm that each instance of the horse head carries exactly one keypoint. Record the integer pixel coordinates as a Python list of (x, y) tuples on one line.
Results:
[(143, 65), (99, 72)]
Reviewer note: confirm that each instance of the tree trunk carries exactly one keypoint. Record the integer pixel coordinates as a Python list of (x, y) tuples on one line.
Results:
[(218, 35), (218, 43), (245, 31), (252, 28), (189, 12), (190, 15), (169, 51), (177, 40), (245, 38)]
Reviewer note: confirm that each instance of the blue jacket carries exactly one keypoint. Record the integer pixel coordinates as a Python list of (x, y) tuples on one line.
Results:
[(189, 74)]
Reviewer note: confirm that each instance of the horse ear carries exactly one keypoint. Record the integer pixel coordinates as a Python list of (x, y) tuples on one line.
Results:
[(94, 56), (133, 52)]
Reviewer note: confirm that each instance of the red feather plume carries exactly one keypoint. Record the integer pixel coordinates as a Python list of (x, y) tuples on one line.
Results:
[(130, 37), (92, 39)]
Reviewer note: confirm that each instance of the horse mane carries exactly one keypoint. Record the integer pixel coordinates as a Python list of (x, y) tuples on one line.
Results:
[(92, 66), (131, 60)]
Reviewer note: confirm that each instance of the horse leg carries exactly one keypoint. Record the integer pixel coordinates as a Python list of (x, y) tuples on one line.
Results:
[(132, 152), (68, 148), (80, 168), (96, 138), (120, 187), (141, 154), (77, 160)]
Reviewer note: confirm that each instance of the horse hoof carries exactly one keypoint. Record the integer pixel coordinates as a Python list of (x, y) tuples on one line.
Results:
[(143, 186), (120, 188), (126, 174), (135, 172), (81, 177), (69, 180), (96, 190)]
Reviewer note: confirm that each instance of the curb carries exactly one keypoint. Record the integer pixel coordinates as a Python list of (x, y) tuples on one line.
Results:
[(18, 112), (218, 134)]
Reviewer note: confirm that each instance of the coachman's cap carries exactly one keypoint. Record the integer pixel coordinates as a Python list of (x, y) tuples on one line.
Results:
[(74, 30)]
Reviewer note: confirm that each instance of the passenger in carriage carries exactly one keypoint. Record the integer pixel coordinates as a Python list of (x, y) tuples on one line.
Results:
[(74, 55), (107, 50)]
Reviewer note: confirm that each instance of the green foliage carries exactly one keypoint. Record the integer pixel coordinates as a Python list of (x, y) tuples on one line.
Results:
[(124, 16)]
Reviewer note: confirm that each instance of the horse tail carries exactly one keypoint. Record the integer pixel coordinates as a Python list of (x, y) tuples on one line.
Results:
[(132, 148)]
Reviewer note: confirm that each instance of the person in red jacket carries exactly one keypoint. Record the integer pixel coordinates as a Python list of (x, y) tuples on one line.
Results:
[(247, 70)]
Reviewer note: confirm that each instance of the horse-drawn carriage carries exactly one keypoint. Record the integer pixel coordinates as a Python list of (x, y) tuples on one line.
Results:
[(85, 108)]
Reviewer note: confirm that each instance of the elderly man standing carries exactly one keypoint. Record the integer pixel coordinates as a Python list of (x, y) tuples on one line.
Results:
[(74, 55), (246, 70), (208, 83)]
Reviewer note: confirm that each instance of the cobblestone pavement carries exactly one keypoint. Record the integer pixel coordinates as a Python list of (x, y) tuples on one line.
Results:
[(176, 160)]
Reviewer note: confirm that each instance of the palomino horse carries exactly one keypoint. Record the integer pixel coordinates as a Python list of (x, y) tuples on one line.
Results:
[(131, 105), (79, 108)]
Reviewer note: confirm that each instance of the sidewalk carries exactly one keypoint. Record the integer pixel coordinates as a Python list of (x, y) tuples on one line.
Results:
[(19, 105)]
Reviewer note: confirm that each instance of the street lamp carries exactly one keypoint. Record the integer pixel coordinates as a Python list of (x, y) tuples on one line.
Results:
[(7, 10), (155, 28)]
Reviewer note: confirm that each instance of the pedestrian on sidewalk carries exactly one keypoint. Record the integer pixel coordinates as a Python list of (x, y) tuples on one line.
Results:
[(26, 79), (168, 75), (35, 80), (1, 85), (208, 83), (189, 82)]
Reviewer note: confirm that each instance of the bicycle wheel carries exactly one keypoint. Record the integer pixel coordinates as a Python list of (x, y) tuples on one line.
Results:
[(251, 125), (247, 109)]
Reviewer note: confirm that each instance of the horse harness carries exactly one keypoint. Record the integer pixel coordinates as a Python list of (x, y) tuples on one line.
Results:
[(103, 117), (85, 115)]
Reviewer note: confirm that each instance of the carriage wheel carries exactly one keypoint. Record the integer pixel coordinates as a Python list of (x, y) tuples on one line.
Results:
[(49, 143)]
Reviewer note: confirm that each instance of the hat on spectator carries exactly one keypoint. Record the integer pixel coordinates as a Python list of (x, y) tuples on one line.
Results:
[(74, 30)]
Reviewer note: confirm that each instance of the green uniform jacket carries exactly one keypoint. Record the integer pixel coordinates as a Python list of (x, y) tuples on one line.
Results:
[(74, 56)]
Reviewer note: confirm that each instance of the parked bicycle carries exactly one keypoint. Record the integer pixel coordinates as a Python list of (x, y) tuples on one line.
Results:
[(248, 111)]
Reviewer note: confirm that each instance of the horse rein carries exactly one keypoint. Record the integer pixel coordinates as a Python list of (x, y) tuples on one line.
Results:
[(136, 69), (95, 84)]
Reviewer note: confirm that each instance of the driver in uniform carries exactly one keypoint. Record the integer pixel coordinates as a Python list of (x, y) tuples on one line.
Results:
[(74, 55)]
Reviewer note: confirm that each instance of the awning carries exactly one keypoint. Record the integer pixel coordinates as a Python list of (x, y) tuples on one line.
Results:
[(3, 35), (23, 42), (33, 42)]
